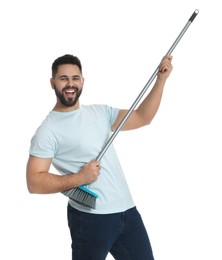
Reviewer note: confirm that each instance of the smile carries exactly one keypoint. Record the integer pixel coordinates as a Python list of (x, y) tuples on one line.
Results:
[(70, 91)]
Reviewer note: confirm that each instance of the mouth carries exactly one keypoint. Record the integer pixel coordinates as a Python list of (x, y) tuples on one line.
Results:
[(70, 93)]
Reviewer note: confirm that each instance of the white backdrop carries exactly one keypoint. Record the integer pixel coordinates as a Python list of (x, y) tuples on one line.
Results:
[(173, 166)]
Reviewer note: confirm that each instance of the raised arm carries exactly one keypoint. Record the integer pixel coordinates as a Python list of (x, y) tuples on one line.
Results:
[(40, 180), (148, 108)]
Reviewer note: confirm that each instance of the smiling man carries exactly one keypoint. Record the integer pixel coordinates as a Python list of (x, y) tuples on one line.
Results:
[(67, 83), (70, 138)]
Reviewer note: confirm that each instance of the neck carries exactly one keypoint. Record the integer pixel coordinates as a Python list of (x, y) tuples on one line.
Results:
[(61, 108)]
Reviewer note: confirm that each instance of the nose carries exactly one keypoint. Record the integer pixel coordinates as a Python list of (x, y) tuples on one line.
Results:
[(70, 83)]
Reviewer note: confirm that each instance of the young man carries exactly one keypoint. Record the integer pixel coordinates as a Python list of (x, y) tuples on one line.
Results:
[(70, 138)]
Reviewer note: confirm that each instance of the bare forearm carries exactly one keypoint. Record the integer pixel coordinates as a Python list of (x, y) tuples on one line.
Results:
[(150, 105), (46, 183), (40, 180)]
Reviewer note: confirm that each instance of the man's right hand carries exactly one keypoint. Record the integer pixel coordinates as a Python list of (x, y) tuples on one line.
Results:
[(90, 172)]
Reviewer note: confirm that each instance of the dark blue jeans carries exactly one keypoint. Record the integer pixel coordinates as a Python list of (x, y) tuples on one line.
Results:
[(121, 234)]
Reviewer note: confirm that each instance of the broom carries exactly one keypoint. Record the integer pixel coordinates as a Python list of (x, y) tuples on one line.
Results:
[(81, 194)]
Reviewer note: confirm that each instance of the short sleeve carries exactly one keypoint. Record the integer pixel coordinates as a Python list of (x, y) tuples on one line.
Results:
[(112, 113), (43, 143)]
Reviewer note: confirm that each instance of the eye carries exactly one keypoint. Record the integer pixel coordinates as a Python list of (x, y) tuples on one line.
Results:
[(76, 78), (63, 78)]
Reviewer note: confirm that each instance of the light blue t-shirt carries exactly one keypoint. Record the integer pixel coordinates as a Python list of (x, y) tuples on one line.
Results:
[(73, 139)]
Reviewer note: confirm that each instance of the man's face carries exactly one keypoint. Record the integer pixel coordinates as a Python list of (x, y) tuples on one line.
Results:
[(68, 83)]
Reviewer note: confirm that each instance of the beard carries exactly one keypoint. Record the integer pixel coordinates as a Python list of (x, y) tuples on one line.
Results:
[(65, 100)]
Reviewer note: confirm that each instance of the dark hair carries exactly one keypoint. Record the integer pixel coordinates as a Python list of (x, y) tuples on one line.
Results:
[(65, 59)]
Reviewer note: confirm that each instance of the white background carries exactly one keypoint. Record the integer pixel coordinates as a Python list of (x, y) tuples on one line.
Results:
[(173, 166)]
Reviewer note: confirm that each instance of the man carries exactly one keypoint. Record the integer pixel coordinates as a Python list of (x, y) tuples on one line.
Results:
[(70, 138)]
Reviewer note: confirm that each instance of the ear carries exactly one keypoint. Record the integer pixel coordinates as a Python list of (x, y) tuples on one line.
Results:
[(52, 83)]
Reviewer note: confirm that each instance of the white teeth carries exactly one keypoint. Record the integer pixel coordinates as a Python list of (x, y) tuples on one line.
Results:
[(69, 91)]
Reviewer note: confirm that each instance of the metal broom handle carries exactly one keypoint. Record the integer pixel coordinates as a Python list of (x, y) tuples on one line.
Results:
[(112, 137)]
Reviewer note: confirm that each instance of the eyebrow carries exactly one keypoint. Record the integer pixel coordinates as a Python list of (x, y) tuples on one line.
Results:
[(65, 76)]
